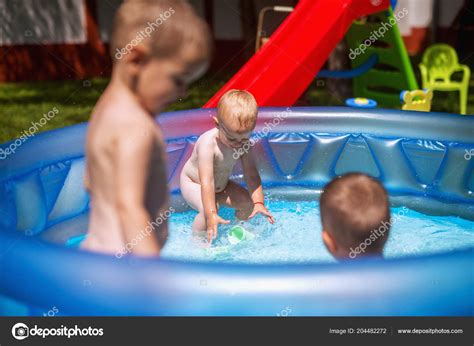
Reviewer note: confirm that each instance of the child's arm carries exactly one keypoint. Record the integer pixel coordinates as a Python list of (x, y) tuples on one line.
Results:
[(254, 184), (133, 164), (205, 154)]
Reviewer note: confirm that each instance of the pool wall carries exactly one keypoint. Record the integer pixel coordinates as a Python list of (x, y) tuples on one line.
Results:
[(422, 158)]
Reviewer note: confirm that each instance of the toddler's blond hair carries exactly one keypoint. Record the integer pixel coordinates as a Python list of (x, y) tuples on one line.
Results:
[(241, 106)]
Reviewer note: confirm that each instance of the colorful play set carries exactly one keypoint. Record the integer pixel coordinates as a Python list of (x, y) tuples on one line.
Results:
[(419, 156)]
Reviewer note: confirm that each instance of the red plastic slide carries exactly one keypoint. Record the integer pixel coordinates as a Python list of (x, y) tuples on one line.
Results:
[(279, 73)]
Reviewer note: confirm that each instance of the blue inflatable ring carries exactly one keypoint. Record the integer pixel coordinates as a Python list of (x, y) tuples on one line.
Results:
[(420, 157)]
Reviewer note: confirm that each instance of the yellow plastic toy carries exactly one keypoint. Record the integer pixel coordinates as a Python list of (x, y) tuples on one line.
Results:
[(416, 100), (439, 63)]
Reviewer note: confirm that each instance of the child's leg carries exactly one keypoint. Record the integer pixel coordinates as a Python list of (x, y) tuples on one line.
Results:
[(191, 192), (237, 197)]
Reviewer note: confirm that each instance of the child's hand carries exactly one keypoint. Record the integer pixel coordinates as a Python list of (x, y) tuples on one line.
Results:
[(259, 208), (212, 222)]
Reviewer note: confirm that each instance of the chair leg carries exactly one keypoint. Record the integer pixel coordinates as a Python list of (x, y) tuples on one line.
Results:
[(463, 100)]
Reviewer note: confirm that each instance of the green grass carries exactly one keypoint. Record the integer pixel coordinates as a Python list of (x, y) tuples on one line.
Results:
[(24, 103)]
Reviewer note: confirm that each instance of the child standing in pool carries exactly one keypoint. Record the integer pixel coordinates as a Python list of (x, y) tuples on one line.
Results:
[(355, 216), (204, 180), (158, 48)]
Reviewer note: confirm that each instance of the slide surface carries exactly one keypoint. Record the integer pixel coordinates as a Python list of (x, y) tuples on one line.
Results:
[(279, 73)]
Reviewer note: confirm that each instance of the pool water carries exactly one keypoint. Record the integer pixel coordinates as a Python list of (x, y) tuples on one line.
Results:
[(296, 236)]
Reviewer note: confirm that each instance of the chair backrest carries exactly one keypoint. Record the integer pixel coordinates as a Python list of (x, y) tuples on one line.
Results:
[(440, 60), (416, 100)]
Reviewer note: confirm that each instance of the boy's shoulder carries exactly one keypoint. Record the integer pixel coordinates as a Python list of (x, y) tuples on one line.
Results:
[(118, 106), (120, 122), (123, 115)]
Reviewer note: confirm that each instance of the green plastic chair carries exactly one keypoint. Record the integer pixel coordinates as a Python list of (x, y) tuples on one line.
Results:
[(439, 63)]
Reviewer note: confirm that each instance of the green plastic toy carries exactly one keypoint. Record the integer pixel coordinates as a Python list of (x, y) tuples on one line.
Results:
[(393, 72), (439, 63), (238, 234)]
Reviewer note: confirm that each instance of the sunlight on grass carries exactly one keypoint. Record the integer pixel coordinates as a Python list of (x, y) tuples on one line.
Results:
[(24, 103)]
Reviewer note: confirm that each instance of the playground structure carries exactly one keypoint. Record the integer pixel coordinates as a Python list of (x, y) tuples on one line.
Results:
[(381, 68), (393, 71), (295, 53)]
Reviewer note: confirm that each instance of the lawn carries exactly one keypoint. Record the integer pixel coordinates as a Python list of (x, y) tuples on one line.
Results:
[(24, 103)]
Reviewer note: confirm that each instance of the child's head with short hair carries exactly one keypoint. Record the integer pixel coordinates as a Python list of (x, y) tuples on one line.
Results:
[(236, 117), (355, 216), (158, 48)]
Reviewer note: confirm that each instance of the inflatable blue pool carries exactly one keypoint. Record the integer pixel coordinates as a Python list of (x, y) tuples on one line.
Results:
[(425, 160)]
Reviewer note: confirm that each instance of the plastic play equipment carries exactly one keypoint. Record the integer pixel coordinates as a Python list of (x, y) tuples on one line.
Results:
[(416, 100), (439, 63), (419, 157), (355, 72), (261, 39), (380, 72), (297, 50), (361, 102), (261, 36), (393, 71)]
